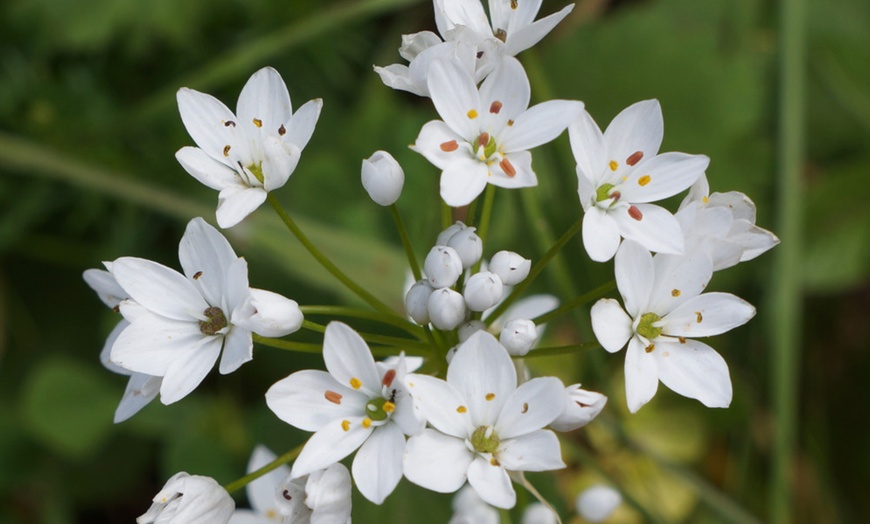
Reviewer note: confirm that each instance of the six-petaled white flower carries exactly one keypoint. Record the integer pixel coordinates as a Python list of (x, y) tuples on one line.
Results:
[(249, 153)]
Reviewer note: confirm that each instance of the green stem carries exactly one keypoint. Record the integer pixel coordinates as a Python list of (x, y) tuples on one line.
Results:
[(373, 338), (486, 212), (406, 242), (596, 293), (344, 311), (324, 261), (254, 475), (536, 270), (288, 345), (562, 350)]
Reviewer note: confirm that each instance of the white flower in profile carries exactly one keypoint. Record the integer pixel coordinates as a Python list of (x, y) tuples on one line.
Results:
[(486, 134), (189, 499), (723, 226), (483, 425), (664, 306), (619, 173), (323, 497), (249, 153), (538, 513), (469, 508), (180, 323), (597, 503), (262, 492), (354, 404), (141, 388), (581, 407)]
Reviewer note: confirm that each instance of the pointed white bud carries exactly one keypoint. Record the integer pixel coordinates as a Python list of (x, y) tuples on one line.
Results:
[(417, 301), (268, 314), (446, 308), (510, 267), (189, 498), (518, 336), (382, 178), (469, 328), (442, 266), (468, 245), (597, 503), (444, 236), (483, 290), (582, 406)]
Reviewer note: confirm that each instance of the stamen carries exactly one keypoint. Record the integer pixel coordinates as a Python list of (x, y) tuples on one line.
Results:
[(635, 213), (494, 462), (355, 383), (510, 123), (461, 409), (495, 107), (501, 34), (675, 293), (333, 397), (345, 425), (616, 195), (483, 139), (197, 275), (634, 158), (226, 150), (490, 396), (650, 348), (514, 4), (613, 165), (705, 200), (229, 123), (449, 146), (286, 495), (682, 340), (472, 114), (388, 377), (367, 423), (507, 167), (282, 130), (525, 408), (258, 122), (644, 180), (389, 407), (698, 317)]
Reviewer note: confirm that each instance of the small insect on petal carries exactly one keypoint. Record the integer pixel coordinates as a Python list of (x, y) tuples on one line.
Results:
[(258, 122), (447, 147), (495, 107), (286, 495), (333, 397), (682, 340), (515, 4), (197, 275), (507, 167), (510, 123), (388, 377), (634, 158), (635, 213)]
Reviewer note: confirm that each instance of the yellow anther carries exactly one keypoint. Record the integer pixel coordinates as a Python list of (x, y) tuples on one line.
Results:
[(472, 114), (525, 407), (355, 383), (367, 423), (698, 317), (345, 425), (705, 200), (650, 348), (490, 396), (613, 164), (494, 462), (644, 180), (389, 407), (675, 293), (258, 122), (227, 150), (461, 409)]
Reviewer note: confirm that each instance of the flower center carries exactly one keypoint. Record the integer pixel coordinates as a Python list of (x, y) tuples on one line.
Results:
[(645, 327), (486, 146), (485, 440), (379, 409), (603, 193), (257, 170), (216, 321)]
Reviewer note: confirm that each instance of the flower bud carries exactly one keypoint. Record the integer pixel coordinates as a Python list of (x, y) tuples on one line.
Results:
[(469, 328), (597, 503), (382, 178), (189, 498), (518, 336), (582, 406), (268, 314), (446, 308), (482, 291), (510, 267), (468, 246), (451, 353), (537, 513), (444, 236), (417, 301), (442, 266)]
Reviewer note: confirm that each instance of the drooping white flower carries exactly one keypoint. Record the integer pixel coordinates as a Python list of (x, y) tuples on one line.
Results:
[(323, 497), (664, 307), (619, 173), (597, 503), (189, 499), (249, 153), (469, 508), (141, 388), (383, 178), (537, 513), (581, 407), (352, 405), (180, 323), (483, 425), (262, 492), (486, 134), (422, 49)]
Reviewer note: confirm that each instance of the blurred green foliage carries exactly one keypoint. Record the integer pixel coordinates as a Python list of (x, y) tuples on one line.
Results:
[(88, 130)]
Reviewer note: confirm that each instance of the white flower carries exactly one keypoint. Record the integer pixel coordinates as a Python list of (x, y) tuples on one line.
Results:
[(581, 407), (537, 513), (247, 154), (483, 425), (180, 322), (423, 49), (619, 173), (323, 497), (486, 134), (353, 405), (189, 499), (597, 503), (723, 226), (141, 388), (469, 508), (262, 492), (663, 307), (382, 178)]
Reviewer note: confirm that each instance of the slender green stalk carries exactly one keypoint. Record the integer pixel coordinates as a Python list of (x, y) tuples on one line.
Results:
[(562, 350), (254, 475), (536, 270), (596, 293), (344, 311), (288, 345), (406, 242), (786, 311), (486, 212), (324, 261), (374, 338)]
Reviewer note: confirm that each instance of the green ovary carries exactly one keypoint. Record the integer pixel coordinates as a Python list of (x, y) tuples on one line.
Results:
[(603, 192), (375, 409), (645, 327), (485, 440), (216, 321)]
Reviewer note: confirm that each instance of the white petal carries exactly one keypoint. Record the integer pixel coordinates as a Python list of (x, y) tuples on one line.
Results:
[(205, 257), (238, 349), (398, 76), (611, 325), (261, 491), (656, 229), (151, 343), (634, 271), (141, 390), (281, 158), (678, 279), (349, 359), (207, 170), (522, 175), (328, 494), (188, 369), (301, 126), (706, 315), (309, 399), (663, 176), (209, 122), (334, 441), (530, 407), (159, 289), (537, 451), (236, 203), (524, 37), (483, 373), (542, 123), (462, 181), (504, 95), (492, 483), (600, 235), (377, 466), (440, 404), (469, 14), (639, 127), (436, 461), (268, 314), (694, 370), (455, 97), (589, 148), (641, 375), (106, 286), (428, 144), (264, 98)]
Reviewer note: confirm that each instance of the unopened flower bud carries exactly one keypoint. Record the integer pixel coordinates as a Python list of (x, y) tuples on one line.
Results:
[(451, 353), (446, 308), (510, 267), (444, 236), (268, 314), (582, 406), (597, 503), (518, 336), (189, 498), (442, 266), (469, 328), (382, 178), (482, 291), (537, 513), (468, 245), (417, 301)]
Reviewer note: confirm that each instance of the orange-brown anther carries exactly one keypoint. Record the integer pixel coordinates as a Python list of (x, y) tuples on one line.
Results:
[(333, 397), (388, 377), (227, 150), (616, 195), (197, 275), (507, 167), (635, 213), (449, 146), (282, 130), (258, 122), (634, 158), (495, 107), (229, 123), (483, 139)]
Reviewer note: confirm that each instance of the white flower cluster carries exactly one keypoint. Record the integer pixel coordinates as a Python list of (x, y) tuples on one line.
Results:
[(465, 410)]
